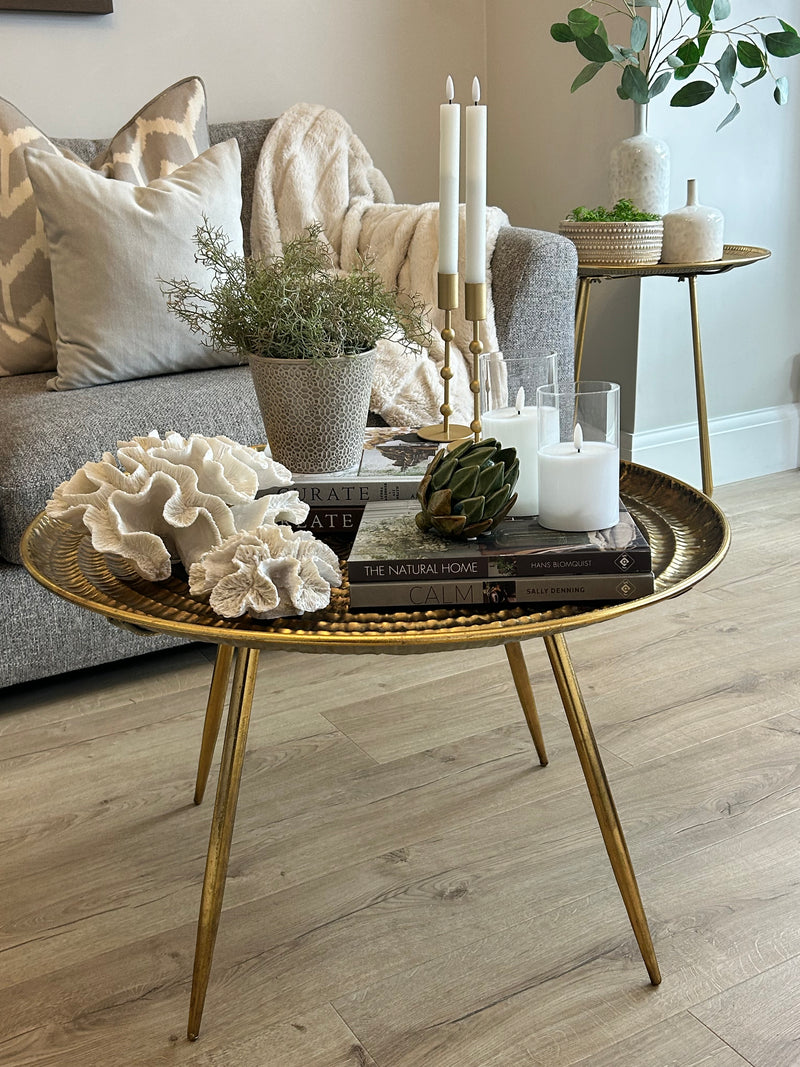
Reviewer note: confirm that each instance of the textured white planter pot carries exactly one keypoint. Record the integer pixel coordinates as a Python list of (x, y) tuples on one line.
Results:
[(639, 168), (314, 410), (615, 243), (694, 233)]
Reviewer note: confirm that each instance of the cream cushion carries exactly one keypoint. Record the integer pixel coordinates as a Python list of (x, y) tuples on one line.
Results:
[(111, 246)]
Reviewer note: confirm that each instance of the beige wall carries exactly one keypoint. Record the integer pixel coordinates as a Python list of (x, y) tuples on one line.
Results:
[(382, 63), (550, 151)]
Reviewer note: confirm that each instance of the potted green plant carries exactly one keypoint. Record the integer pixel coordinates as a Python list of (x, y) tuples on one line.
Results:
[(309, 333), (619, 235), (681, 48)]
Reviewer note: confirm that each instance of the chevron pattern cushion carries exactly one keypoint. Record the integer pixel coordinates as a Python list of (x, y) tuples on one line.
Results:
[(168, 132)]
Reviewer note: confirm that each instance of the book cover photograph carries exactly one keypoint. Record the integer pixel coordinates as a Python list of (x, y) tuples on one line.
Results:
[(391, 467), (392, 451), (389, 546)]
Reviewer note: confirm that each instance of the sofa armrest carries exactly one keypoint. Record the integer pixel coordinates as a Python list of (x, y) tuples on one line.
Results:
[(534, 275)]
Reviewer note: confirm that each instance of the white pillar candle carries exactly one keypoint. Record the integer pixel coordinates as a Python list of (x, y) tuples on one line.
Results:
[(449, 149), (517, 427), (475, 252), (579, 484)]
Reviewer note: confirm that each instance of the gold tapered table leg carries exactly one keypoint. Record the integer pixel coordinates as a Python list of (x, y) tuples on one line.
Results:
[(602, 799), (216, 702), (581, 315), (700, 390), (522, 681), (219, 845)]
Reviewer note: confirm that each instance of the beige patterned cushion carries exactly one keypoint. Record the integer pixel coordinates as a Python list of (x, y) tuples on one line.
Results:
[(168, 132), (111, 244)]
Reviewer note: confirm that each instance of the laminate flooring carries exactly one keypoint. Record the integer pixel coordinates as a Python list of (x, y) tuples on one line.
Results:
[(407, 885)]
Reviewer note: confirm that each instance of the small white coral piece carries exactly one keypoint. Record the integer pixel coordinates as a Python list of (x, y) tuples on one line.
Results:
[(268, 572)]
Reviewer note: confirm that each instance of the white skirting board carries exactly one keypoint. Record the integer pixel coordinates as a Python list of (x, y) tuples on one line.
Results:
[(742, 446)]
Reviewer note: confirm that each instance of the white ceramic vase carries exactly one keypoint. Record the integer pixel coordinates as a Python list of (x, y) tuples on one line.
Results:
[(639, 168), (694, 233)]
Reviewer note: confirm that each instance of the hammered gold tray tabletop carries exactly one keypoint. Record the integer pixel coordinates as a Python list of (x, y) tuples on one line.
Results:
[(732, 256), (688, 535)]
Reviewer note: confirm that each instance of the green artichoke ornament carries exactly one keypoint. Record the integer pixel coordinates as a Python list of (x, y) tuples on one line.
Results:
[(468, 491)]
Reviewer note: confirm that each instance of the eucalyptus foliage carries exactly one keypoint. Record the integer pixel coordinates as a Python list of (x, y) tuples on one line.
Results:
[(295, 306), (678, 49)]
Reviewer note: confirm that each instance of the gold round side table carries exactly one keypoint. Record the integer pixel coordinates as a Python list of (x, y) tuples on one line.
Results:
[(732, 256), (688, 535)]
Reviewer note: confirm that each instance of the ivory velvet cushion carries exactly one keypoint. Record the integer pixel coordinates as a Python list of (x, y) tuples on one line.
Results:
[(168, 131), (112, 244)]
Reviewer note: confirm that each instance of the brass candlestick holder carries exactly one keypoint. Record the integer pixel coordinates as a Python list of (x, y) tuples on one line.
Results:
[(446, 430), (475, 310)]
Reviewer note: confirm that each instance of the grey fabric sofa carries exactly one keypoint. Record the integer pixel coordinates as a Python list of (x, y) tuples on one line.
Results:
[(45, 436)]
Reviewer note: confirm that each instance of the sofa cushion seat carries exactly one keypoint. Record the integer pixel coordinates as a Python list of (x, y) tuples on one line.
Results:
[(47, 436)]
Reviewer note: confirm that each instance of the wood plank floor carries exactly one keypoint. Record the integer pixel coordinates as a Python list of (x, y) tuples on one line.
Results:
[(407, 886)]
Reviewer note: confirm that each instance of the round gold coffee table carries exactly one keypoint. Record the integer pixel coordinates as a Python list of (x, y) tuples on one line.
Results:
[(688, 535)]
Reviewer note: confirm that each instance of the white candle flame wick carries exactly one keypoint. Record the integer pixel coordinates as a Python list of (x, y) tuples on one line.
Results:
[(520, 401), (449, 91), (577, 437), (476, 90)]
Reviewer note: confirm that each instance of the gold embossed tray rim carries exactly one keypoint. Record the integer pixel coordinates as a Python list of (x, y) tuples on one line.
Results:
[(732, 256), (689, 537)]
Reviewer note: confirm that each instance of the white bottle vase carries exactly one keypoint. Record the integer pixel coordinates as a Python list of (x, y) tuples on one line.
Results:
[(693, 234), (639, 169)]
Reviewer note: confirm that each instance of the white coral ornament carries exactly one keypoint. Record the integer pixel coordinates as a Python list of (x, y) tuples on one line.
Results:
[(159, 501), (268, 572), (224, 468), (165, 518)]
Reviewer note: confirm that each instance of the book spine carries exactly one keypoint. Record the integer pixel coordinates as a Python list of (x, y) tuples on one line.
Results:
[(546, 565), (339, 521), (564, 589), (354, 493)]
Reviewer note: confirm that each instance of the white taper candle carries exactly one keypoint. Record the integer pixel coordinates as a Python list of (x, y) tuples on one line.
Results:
[(476, 188), (449, 150)]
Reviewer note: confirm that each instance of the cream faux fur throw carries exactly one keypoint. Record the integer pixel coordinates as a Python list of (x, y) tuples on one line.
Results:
[(313, 168)]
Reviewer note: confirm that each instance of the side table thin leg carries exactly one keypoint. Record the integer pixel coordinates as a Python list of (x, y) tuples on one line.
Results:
[(522, 681), (700, 389), (219, 845), (216, 702), (603, 802), (581, 315)]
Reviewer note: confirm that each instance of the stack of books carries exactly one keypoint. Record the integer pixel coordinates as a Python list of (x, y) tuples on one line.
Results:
[(392, 465), (392, 564), (368, 515)]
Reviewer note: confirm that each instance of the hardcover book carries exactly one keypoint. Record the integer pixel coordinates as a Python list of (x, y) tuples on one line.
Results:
[(500, 592), (340, 522), (391, 467), (390, 547)]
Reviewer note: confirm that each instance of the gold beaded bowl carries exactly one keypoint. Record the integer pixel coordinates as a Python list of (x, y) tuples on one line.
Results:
[(615, 242)]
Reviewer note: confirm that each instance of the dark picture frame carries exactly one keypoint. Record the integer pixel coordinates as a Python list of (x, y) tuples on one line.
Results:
[(75, 7)]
